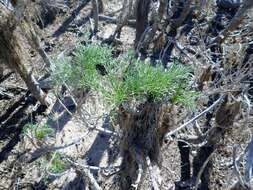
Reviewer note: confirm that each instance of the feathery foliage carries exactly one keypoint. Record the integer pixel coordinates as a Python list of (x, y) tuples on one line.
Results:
[(124, 79)]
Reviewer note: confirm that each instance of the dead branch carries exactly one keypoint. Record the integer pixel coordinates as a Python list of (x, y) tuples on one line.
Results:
[(123, 17), (33, 40), (97, 128), (235, 22), (236, 169), (91, 179), (249, 161), (94, 168), (173, 26), (12, 52), (143, 7), (224, 119), (114, 20), (45, 149), (195, 118), (5, 94), (158, 10), (176, 23), (95, 10)]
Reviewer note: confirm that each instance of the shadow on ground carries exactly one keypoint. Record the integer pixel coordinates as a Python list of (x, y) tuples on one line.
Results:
[(65, 25), (14, 119)]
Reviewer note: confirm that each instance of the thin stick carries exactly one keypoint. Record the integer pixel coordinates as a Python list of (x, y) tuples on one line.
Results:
[(129, 22), (193, 119), (95, 168), (92, 180), (99, 129), (88, 175), (236, 169), (95, 15)]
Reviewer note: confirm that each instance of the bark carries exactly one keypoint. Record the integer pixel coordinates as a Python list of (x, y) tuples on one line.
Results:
[(141, 18), (180, 12), (97, 7), (13, 54), (143, 135), (235, 22), (156, 16), (95, 10), (224, 119)]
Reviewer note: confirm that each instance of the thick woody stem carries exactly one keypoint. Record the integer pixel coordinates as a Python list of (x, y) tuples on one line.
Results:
[(12, 53)]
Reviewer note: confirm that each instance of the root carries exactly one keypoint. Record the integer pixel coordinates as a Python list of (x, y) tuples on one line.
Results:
[(155, 184)]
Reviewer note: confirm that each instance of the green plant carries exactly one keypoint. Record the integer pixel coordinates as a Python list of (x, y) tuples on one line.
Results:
[(43, 132), (127, 79), (39, 131), (57, 165), (28, 128), (61, 70), (81, 72)]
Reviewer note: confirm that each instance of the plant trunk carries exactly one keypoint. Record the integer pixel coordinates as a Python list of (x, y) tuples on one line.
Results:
[(143, 134), (13, 54)]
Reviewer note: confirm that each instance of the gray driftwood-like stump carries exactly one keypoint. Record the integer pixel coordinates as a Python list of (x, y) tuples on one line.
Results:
[(13, 54)]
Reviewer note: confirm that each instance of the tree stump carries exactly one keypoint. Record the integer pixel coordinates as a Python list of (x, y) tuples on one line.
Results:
[(12, 52), (143, 136)]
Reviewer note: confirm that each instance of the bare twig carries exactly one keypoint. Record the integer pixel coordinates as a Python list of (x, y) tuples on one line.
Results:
[(249, 162), (40, 151), (158, 10), (87, 174), (125, 13), (195, 118), (3, 93), (235, 22), (249, 108), (236, 169), (33, 40), (13, 53), (114, 20), (95, 168), (92, 180), (100, 129)]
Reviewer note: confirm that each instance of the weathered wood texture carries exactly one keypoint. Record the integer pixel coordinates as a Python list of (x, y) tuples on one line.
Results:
[(246, 7), (141, 18), (13, 54)]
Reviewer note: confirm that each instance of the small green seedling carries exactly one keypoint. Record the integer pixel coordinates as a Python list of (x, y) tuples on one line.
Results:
[(38, 131), (43, 132), (28, 128), (57, 165)]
